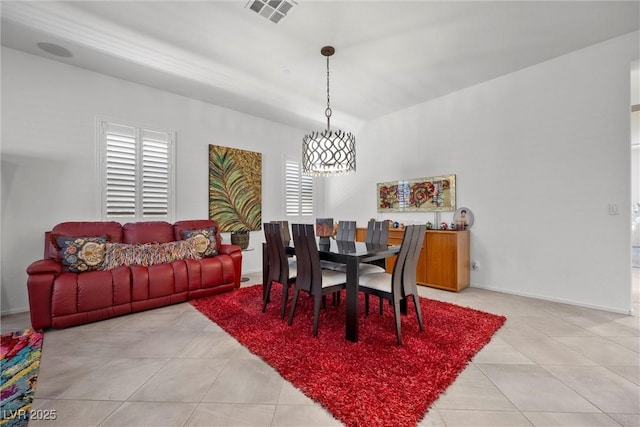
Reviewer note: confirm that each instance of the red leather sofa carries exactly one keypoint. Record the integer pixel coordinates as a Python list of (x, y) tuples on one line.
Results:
[(59, 298)]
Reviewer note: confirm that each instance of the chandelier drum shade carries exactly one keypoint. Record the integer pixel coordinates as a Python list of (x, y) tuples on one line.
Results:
[(328, 152)]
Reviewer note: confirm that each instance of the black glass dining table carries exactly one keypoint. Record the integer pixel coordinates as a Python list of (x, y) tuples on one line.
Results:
[(352, 254)]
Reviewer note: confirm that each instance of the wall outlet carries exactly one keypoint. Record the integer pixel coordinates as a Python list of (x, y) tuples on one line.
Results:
[(475, 265)]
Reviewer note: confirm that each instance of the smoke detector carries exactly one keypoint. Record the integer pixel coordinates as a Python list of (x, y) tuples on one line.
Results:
[(273, 10)]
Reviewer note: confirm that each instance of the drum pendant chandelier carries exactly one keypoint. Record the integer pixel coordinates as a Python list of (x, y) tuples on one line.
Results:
[(328, 152)]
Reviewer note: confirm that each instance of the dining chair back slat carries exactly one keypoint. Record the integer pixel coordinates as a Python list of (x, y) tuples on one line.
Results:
[(397, 275), (273, 255), (284, 231), (305, 266), (409, 286)]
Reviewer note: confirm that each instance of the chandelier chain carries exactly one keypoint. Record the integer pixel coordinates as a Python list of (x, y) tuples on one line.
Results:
[(328, 111)]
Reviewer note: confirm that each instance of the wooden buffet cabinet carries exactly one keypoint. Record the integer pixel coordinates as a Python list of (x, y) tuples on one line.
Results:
[(444, 259)]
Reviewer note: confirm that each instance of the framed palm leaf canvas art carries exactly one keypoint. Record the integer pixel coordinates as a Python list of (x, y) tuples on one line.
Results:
[(235, 188)]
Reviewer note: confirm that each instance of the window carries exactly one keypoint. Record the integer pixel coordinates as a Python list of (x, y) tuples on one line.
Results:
[(136, 173), (299, 190)]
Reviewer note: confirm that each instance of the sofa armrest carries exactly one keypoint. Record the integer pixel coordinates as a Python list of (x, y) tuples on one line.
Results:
[(44, 266), (42, 274), (229, 249), (235, 252)]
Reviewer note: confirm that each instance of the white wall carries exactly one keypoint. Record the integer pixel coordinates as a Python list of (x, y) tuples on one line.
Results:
[(635, 146), (49, 154), (538, 155)]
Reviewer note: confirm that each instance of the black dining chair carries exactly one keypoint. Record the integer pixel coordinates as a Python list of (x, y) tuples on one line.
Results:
[(311, 278), (346, 231), (401, 284), (377, 232), (281, 268)]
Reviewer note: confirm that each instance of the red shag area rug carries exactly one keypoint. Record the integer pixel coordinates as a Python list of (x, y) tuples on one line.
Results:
[(370, 383)]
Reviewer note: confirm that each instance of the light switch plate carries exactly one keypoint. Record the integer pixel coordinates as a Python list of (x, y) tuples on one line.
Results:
[(614, 209)]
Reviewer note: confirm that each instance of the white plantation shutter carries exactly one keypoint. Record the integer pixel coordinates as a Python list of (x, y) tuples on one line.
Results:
[(121, 176), (298, 189), (136, 178), (155, 173), (292, 186), (306, 195)]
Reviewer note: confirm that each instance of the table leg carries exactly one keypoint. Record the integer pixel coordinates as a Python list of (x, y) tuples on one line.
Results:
[(265, 272), (353, 310)]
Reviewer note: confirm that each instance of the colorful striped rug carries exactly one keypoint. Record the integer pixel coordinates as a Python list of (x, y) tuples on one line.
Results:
[(20, 363)]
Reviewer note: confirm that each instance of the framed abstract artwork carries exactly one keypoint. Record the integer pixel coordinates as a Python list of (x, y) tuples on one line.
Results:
[(432, 194), (235, 188)]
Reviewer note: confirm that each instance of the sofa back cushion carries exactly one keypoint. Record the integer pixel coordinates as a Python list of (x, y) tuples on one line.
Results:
[(147, 232), (111, 229), (196, 224)]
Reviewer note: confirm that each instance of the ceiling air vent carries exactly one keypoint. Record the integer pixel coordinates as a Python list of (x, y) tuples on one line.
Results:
[(273, 10)]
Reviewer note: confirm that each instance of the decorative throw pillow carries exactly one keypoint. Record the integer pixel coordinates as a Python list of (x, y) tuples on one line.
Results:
[(204, 240), (119, 254), (80, 254)]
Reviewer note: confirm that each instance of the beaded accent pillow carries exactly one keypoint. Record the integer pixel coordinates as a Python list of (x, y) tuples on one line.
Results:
[(204, 240), (119, 254), (79, 254)]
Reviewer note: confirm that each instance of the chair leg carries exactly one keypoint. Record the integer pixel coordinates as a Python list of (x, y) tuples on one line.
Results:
[(416, 302), (296, 291), (396, 316), (404, 305), (335, 298), (285, 297), (316, 314), (266, 291), (265, 296), (366, 304)]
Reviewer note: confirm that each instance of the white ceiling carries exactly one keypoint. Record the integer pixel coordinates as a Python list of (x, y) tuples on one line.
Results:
[(390, 55)]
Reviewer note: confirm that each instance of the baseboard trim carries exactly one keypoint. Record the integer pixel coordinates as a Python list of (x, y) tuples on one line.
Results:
[(558, 300), (18, 310)]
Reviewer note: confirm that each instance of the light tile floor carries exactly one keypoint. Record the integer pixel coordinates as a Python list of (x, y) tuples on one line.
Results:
[(550, 365)]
